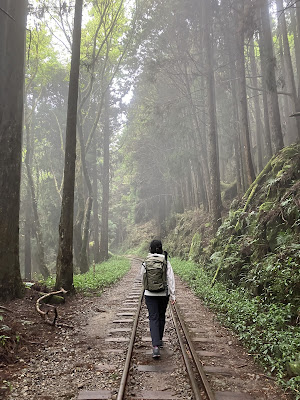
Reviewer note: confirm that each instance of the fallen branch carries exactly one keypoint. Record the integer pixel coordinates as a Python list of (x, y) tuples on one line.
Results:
[(65, 326), (5, 309), (49, 308)]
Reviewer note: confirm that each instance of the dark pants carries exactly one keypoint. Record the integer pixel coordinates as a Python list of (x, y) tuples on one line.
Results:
[(157, 306)]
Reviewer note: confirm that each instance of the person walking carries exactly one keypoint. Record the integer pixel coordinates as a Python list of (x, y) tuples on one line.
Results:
[(159, 287)]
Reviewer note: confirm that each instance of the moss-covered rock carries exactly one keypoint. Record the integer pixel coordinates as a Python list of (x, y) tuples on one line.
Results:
[(196, 247), (255, 245)]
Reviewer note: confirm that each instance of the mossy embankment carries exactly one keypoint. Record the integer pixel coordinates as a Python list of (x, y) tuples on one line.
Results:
[(248, 273), (257, 246)]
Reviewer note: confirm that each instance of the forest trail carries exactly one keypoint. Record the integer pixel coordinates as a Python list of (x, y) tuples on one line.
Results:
[(62, 361)]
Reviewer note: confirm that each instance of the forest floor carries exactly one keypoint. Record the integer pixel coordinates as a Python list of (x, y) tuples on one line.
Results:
[(57, 362)]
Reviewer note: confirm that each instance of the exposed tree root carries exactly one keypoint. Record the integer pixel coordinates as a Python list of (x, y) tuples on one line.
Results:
[(50, 310)]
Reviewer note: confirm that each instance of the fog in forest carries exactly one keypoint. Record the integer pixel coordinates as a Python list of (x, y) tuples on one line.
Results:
[(137, 111)]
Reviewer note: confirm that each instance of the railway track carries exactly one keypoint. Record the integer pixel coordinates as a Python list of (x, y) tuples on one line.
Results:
[(181, 373)]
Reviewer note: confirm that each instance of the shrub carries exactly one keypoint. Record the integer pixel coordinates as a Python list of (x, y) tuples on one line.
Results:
[(104, 275), (265, 329)]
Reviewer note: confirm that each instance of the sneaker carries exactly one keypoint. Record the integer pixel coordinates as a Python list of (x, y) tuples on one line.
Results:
[(161, 344), (155, 352)]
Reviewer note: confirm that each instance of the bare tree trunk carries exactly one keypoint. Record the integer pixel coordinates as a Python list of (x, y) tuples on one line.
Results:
[(288, 124), (64, 264), (236, 122), (268, 61), (296, 40), (258, 122), (37, 225), (288, 60), (298, 30), (96, 208), (243, 108), (105, 182), (80, 209), (212, 139), (27, 238), (199, 140), (12, 55), (267, 132), (202, 191), (84, 263)]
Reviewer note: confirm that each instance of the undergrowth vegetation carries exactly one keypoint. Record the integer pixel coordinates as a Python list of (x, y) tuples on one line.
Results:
[(265, 329), (97, 278), (257, 246)]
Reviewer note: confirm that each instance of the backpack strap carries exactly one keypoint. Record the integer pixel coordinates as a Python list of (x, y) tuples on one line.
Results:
[(166, 256)]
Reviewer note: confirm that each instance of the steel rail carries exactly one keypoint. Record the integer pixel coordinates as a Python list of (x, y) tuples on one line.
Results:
[(129, 351), (206, 386), (191, 374)]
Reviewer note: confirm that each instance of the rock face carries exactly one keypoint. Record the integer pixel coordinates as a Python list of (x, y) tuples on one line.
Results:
[(257, 246)]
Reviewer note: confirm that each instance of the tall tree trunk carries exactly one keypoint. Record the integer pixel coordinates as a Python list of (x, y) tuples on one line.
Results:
[(64, 263), (84, 263), (258, 121), (269, 61), (27, 237), (236, 121), (288, 60), (37, 225), (296, 33), (105, 181), (289, 124), (267, 132), (12, 55), (95, 206), (298, 30), (243, 105), (198, 138), (79, 190), (212, 139), (202, 191)]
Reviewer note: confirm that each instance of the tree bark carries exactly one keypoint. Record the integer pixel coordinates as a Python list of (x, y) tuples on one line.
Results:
[(105, 182), (12, 56), (267, 132), (79, 190), (241, 75), (27, 237), (83, 261), (258, 121), (296, 32), (198, 139), (288, 61), (37, 225), (269, 62), (212, 139), (95, 207), (285, 102), (64, 263), (236, 121)]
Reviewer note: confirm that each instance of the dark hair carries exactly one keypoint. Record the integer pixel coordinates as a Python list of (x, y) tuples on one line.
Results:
[(156, 247)]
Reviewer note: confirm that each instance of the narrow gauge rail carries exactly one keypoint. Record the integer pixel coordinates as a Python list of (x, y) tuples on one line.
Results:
[(194, 368), (200, 386)]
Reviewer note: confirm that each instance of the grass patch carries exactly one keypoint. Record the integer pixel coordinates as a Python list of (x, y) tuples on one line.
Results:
[(265, 330), (105, 274)]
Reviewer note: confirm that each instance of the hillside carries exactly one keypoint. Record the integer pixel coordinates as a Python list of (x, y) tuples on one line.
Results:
[(257, 246)]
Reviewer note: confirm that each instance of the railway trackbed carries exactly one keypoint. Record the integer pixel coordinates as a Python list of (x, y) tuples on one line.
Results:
[(195, 363)]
